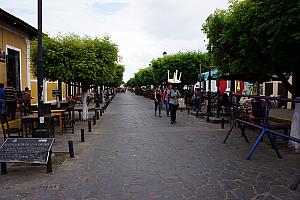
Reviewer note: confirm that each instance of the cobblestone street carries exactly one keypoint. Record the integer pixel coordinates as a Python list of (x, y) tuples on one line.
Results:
[(132, 154)]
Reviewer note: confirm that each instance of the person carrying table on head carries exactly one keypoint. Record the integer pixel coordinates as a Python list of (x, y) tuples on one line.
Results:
[(173, 102)]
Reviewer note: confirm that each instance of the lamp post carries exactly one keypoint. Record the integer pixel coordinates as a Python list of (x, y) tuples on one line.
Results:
[(200, 81), (42, 131), (164, 55)]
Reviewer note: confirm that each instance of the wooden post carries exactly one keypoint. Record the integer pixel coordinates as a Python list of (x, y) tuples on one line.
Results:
[(71, 149), (82, 135), (3, 168)]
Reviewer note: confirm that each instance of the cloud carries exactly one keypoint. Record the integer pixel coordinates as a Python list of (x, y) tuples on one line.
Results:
[(108, 7), (143, 29)]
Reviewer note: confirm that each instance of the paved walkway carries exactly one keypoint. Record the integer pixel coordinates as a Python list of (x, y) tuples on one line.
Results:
[(132, 154)]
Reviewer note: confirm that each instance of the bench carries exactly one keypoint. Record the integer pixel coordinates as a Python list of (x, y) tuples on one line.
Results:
[(285, 126)]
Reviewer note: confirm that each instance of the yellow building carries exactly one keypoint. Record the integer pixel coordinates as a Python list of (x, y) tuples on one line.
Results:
[(15, 36)]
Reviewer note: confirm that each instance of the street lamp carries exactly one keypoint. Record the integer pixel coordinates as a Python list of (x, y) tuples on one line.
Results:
[(164, 55), (200, 81)]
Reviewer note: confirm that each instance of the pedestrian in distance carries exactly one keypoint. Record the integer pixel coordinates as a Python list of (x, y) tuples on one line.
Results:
[(196, 97), (173, 102), (158, 100), (166, 99)]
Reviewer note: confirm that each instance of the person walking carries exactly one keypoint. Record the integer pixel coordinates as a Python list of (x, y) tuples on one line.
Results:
[(166, 99), (196, 97), (173, 102), (158, 100), (2, 99)]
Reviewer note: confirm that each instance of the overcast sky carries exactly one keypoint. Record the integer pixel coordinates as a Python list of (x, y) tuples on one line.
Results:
[(143, 29)]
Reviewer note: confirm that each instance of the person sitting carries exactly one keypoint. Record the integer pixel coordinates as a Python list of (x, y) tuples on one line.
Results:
[(232, 99), (224, 101), (26, 97)]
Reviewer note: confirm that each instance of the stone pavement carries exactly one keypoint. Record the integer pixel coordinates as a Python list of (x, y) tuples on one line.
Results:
[(132, 154)]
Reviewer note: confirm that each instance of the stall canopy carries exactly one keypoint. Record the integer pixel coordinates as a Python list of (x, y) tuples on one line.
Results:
[(216, 74)]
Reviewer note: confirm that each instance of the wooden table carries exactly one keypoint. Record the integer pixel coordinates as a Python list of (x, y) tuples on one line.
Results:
[(57, 113), (29, 121)]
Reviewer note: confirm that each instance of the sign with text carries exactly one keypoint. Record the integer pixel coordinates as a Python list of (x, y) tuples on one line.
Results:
[(55, 93), (26, 150)]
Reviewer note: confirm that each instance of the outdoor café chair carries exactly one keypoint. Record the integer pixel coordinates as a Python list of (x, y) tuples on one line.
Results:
[(9, 132)]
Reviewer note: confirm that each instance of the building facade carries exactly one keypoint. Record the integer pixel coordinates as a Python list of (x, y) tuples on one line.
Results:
[(15, 36)]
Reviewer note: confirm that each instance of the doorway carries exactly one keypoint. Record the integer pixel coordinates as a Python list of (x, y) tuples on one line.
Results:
[(13, 68)]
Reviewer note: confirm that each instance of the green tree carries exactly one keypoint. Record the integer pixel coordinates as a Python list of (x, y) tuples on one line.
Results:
[(255, 39), (188, 63), (90, 61), (144, 77)]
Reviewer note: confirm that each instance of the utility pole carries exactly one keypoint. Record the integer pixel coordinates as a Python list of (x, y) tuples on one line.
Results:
[(200, 80), (42, 131)]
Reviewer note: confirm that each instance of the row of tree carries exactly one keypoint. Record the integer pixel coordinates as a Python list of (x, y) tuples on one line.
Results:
[(156, 74), (257, 39), (253, 40), (85, 60)]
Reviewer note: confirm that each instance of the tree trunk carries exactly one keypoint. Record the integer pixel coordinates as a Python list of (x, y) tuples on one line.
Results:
[(85, 111), (286, 84), (69, 89), (101, 94), (59, 87), (232, 86), (296, 83), (295, 128)]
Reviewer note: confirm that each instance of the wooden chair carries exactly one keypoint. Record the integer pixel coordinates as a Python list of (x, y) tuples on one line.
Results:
[(50, 126), (33, 108), (68, 120), (257, 113), (10, 132), (24, 110)]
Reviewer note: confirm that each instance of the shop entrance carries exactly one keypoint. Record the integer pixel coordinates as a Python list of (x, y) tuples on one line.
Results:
[(13, 68)]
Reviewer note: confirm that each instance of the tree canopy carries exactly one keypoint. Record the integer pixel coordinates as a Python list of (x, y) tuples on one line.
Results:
[(156, 74), (255, 39), (86, 60), (144, 77)]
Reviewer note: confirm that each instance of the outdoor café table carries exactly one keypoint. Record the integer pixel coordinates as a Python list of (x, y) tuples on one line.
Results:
[(57, 113), (29, 121)]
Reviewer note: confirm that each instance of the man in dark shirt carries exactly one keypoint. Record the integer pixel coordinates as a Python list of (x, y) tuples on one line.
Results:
[(11, 102)]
